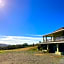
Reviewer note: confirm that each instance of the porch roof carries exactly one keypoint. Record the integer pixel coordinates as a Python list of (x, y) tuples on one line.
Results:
[(51, 34), (59, 42)]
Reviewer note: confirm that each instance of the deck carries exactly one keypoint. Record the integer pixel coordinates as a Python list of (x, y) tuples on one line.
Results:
[(52, 42)]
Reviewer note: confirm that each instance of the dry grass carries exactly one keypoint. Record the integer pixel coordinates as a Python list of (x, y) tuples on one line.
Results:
[(17, 50)]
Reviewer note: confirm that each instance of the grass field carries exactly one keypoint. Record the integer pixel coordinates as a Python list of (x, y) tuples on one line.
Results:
[(28, 55)]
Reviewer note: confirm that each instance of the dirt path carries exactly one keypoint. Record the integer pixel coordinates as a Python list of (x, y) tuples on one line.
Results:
[(61, 60), (25, 57)]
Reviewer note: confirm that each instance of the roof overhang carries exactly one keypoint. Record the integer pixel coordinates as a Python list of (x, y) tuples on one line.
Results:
[(55, 32)]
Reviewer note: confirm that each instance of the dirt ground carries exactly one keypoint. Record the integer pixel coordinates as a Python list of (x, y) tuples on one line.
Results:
[(29, 57)]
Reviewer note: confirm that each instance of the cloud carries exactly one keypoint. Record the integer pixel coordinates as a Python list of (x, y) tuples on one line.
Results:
[(19, 40), (35, 35)]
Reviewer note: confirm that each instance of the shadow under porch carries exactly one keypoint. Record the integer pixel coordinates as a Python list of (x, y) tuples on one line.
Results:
[(52, 48)]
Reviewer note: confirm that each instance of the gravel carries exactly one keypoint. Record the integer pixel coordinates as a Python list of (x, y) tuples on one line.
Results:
[(28, 57)]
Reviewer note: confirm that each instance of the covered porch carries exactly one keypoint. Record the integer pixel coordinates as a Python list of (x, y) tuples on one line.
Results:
[(54, 36), (55, 47)]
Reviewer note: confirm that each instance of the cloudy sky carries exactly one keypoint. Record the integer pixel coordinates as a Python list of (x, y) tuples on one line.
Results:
[(19, 40), (22, 20)]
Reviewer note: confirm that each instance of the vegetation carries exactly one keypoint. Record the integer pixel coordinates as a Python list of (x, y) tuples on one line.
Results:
[(9, 47)]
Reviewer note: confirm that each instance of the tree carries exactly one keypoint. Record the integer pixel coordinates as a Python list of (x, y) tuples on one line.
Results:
[(39, 41), (25, 45), (33, 44)]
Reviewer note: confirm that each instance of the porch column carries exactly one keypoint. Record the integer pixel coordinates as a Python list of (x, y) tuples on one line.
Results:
[(47, 47), (54, 38), (57, 52), (46, 38), (51, 38), (57, 47), (43, 38)]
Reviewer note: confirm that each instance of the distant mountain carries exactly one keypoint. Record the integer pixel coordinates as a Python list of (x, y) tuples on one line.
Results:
[(3, 45)]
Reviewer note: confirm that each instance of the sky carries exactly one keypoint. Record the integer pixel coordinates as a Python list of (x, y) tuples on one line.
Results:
[(25, 21)]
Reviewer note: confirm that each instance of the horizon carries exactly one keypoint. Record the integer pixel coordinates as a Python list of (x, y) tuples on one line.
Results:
[(25, 21)]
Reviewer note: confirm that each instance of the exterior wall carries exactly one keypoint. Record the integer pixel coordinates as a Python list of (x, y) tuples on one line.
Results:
[(61, 38)]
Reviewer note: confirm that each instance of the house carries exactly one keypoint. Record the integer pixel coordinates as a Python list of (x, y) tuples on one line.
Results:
[(54, 42)]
